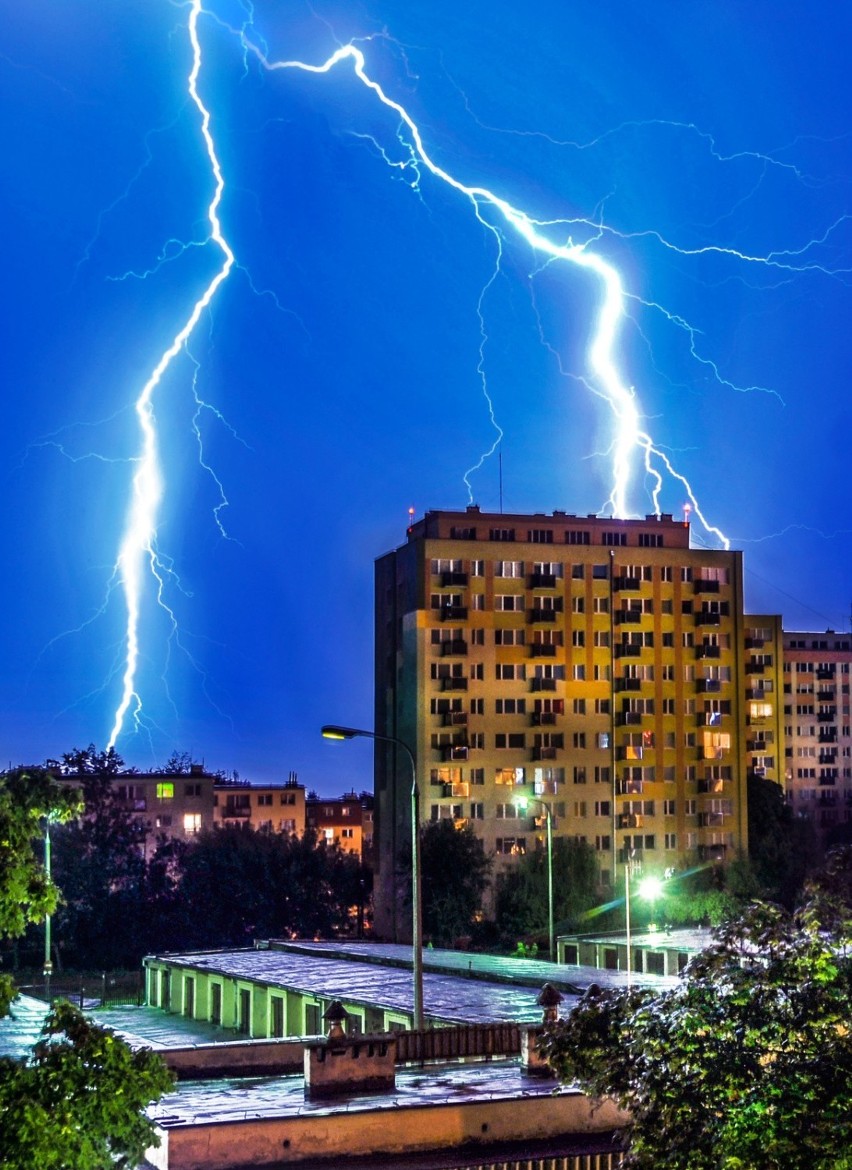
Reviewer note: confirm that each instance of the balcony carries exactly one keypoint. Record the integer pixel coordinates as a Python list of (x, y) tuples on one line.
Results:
[(828, 779), (711, 719), (712, 852), (627, 583), (708, 650), (455, 719), (546, 787), (453, 579), (544, 753), (824, 674), (542, 650), (709, 686), (625, 787), (702, 585), (542, 581), (542, 615), (711, 820), (453, 613), (233, 812), (630, 617), (630, 821), (459, 789), (758, 745), (628, 719), (627, 650), (543, 718), (453, 684), (826, 694), (827, 736), (754, 667), (755, 643), (708, 785), (703, 618), (456, 647), (132, 804), (827, 716), (543, 684), (454, 751), (758, 694), (827, 758), (628, 684)]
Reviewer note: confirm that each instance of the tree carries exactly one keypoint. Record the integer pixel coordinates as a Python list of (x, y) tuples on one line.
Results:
[(99, 863), (747, 1063), (454, 869), (781, 846), (29, 798), (77, 1103), (522, 891)]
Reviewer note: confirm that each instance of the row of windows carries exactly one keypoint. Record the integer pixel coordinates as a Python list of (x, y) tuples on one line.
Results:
[(576, 536), (666, 573)]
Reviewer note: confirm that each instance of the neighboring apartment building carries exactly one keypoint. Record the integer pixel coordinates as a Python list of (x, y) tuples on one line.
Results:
[(346, 821), (594, 666), (168, 804), (278, 808), (764, 703), (818, 728)]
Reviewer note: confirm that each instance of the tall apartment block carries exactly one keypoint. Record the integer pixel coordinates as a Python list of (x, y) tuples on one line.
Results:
[(594, 666), (818, 728)]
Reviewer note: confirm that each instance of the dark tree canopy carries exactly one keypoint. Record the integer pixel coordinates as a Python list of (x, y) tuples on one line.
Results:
[(455, 869), (522, 891), (748, 1062)]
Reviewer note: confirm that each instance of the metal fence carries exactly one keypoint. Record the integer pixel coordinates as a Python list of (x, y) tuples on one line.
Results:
[(461, 1040), (92, 991)]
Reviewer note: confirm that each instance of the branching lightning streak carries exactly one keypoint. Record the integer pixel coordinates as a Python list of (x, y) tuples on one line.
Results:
[(630, 439), (138, 545)]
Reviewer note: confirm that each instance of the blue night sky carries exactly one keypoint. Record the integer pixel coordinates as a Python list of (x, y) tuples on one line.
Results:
[(339, 375)]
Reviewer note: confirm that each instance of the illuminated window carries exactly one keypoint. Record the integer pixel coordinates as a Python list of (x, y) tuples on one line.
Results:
[(191, 823), (166, 790)]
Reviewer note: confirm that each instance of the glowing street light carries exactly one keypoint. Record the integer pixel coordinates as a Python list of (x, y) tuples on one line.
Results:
[(521, 803), (332, 731), (649, 889)]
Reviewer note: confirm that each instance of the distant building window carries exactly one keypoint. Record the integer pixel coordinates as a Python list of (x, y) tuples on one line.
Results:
[(166, 790), (191, 823), (347, 834), (192, 789), (264, 799)]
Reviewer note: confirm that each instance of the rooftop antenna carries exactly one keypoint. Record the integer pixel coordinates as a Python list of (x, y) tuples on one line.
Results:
[(410, 519)]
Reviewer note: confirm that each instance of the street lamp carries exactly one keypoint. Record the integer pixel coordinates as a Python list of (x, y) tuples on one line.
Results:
[(332, 731), (521, 802), (649, 888), (48, 961)]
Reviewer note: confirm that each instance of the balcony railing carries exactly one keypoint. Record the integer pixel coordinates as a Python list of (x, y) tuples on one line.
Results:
[(543, 580), (627, 650), (628, 684), (708, 650), (453, 613), (542, 615), (542, 650), (628, 718), (703, 585), (628, 617), (826, 694), (827, 736), (453, 684), (231, 812), (826, 716), (454, 751), (460, 789), (825, 674), (630, 821), (543, 684), (452, 578), (755, 643), (544, 753), (455, 718), (703, 618), (709, 686), (625, 582), (543, 718), (754, 667), (455, 647)]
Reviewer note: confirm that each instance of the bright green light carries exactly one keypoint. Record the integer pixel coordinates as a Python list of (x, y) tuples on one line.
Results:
[(650, 888), (520, 803)]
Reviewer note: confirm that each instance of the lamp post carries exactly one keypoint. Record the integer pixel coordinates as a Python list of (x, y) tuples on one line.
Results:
[(649, 888), (332, 731), (521, 802), (48, 961)]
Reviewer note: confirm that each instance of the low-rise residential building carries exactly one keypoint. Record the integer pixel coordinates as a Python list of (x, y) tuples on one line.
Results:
[(276, 808), (346, 821)]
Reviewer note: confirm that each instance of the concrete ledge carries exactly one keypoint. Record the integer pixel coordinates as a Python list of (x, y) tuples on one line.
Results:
[(240, 1058), (237, 1145)]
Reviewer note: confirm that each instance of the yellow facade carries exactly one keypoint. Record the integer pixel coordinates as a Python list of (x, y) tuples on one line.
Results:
[(594, 666)]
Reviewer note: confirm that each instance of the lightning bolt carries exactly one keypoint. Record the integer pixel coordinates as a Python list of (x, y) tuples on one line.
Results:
[(138, 551), (606, 378)]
